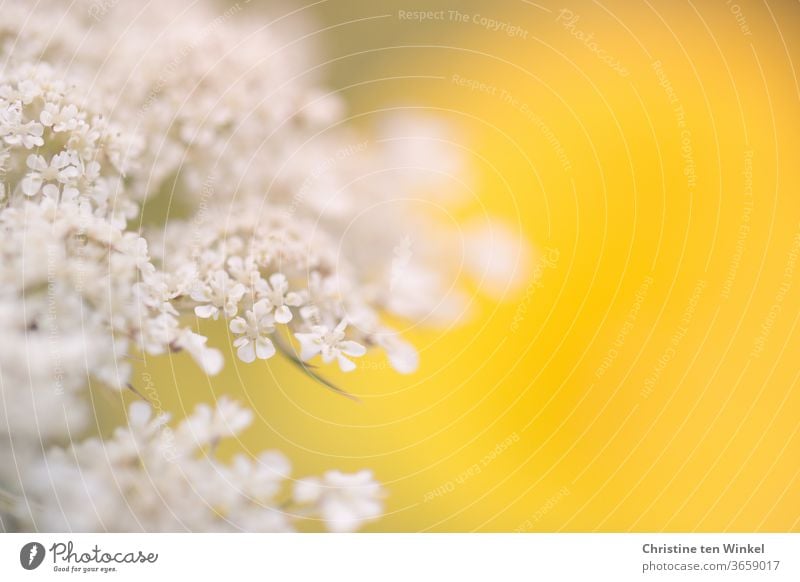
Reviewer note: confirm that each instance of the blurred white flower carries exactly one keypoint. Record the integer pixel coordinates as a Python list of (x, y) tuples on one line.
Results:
[(345, 501), (497, 257)]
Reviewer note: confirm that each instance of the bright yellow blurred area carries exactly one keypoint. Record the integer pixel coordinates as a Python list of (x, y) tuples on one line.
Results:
[(647, 377)]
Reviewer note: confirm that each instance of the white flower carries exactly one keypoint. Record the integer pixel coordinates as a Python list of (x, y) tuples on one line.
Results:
[(63, 168), (344, 501), (66, 118), (24, 92), (278, 297), (15, 131), (331, 344), (253, 330), (220, 292)]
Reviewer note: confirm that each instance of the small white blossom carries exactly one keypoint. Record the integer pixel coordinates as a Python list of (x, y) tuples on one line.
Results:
[(63, 168), (279, 298), (219, 293), (331, 344), (253, 329), (65, 118)]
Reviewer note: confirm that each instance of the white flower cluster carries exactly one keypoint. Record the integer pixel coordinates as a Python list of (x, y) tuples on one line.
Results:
[(175, 105), (78, 293), (264, 270), (152, 477), (54, 148)]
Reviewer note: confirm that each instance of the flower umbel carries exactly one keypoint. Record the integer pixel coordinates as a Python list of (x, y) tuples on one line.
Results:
[(267, 239)]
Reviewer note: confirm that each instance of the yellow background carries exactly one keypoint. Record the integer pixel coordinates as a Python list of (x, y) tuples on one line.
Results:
[(711, 443)]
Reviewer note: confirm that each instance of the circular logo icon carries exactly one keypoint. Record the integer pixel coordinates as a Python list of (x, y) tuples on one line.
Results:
[(31, 555)]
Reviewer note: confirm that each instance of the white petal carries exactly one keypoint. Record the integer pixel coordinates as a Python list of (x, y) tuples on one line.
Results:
[(46, 117), (261, 308), (237, 292), (278, 282), (351, 348), (293, 299), (36, 163), (231, 308), (345, 364), (139, 413), (51, 191), (264, 348), (70, 194), (404, 359), (238, 325), (206, 311), (200, 294), (328, 355), (247, 352), (283, 314), (309, 346), (31, 184), (211, 361)]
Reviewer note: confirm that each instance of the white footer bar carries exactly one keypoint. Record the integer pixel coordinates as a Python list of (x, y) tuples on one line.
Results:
[(406, 557)]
